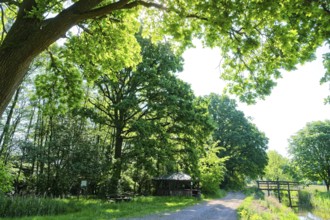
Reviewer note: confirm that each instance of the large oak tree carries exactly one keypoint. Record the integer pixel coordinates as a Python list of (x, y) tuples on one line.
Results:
[(257, 38)]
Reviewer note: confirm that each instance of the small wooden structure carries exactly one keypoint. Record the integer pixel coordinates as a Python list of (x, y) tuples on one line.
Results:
[(175, 184), (279, 186)]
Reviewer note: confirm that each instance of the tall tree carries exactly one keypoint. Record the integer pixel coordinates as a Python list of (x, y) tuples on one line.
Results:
[(149, 108), (310, 149), (257, 38), (243, 143)]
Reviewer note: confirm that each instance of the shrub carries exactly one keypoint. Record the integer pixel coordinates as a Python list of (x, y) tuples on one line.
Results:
[(212, 170), (6, 178)]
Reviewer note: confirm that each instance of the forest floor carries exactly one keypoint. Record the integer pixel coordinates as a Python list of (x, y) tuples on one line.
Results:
[(216, 209)]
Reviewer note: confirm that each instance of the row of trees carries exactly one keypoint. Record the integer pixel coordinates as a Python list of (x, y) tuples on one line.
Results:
[(124, 127)]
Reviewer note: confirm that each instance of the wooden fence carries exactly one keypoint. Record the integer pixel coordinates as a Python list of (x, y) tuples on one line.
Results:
[(279, 186)]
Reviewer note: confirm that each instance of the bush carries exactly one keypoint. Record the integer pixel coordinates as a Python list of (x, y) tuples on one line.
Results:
[(320, 202), (212, 170), (6, 179), (31, 206)]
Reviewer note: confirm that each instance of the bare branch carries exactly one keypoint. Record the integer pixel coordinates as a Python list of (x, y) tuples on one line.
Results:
[(85, 29)]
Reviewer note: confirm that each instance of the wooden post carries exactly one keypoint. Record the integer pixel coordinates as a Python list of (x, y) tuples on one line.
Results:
[(268, 190), (278, 191), (289, 194)]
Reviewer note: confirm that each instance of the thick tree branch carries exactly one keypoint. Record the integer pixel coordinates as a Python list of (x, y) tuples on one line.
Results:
[(160, 7), (101, 11), (26, 6), (145, 4)]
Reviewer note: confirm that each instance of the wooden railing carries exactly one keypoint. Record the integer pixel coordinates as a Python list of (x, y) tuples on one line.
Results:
[(279, 186)]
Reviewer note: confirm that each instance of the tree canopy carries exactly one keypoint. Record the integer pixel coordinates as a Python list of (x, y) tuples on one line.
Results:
[(310, 149), (257, 38), (244, 145), (124, 127), (278, 167)]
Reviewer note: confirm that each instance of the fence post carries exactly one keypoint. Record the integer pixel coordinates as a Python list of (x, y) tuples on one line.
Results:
[(278, 191), (268, 189), (289, 193)]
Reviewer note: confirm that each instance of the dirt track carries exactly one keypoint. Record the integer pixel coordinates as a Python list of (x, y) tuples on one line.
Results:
[(218, 209)]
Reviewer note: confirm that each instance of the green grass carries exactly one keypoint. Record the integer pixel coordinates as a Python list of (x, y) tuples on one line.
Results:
[(321, 203), (315, 199), (258, 207), (26, 206), (98, 210), (313, 188)]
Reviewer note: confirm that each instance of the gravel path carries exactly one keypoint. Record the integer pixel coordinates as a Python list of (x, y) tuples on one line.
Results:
[(218, 209)]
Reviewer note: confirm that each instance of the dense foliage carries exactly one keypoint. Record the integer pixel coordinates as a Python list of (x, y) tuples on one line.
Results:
[(256, 38), (280, 168), (125, 127), (6, 179), (212, 170), (311, 152), (130, 126), (244, 145)]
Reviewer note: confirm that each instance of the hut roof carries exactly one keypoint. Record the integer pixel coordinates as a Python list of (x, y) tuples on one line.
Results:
[(175, 176)]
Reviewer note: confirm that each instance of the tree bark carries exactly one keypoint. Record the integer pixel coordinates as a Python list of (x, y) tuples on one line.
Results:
[(114, 181)]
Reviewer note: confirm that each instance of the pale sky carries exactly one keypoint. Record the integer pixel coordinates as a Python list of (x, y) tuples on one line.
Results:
[(297, 99)]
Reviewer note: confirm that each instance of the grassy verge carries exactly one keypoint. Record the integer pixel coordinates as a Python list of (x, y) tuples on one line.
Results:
[(315, 199), (258, 207), (96, 209)]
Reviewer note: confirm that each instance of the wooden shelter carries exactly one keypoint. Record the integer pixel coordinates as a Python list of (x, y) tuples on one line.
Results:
[(175, 184)]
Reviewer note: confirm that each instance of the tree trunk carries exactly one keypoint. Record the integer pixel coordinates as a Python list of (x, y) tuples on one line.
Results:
[(4, 138), (17, 188), (114, 181), (27, 38)]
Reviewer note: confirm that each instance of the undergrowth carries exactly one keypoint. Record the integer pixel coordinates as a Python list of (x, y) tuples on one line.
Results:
[(91, 209), (258, 207), (27, 206), (316, 202)]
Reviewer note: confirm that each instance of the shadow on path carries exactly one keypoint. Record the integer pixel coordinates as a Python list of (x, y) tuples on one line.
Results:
[(218, 209)]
